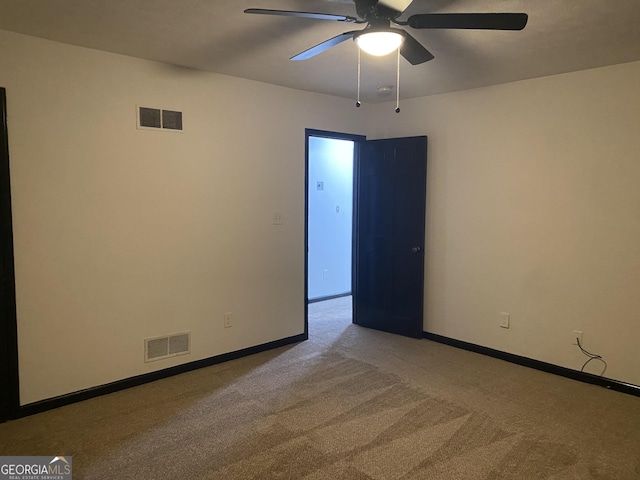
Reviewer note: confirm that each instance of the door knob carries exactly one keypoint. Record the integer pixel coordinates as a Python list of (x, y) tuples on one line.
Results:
[(416, 249)]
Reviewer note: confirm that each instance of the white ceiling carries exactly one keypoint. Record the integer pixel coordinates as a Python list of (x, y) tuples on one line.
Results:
[(216, 36)]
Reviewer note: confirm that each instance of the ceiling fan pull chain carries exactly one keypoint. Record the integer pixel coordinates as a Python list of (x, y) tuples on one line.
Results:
[(358, 100), (398, 84)]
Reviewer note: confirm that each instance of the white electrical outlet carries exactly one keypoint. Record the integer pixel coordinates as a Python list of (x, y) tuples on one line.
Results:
[(577, 334), (504, 319), (228, 320)]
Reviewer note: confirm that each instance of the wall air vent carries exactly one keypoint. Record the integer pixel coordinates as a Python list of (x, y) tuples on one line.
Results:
[(149, 117), (158, 119), (169, 346), (172, 119)]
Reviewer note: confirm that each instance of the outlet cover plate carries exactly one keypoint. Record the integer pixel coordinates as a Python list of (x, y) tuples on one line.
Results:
[(577, 334)]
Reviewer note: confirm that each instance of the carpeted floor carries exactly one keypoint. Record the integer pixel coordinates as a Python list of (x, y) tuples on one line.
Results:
[(350, 403)]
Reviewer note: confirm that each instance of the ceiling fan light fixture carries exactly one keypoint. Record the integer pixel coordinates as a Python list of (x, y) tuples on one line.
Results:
[(379, 42)]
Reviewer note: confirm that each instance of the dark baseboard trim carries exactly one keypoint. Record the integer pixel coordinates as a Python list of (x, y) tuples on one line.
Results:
[(538, 365), (55, 402), (329, 297)]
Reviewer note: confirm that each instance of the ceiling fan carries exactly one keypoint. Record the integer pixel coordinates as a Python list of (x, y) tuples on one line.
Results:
[(380, 38)]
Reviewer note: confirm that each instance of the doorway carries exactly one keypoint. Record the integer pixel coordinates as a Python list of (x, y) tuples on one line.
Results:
[(386, 239), (330, 203), (330, 167)]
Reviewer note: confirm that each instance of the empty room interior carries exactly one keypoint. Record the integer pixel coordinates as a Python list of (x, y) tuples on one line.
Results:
[(159, 316)]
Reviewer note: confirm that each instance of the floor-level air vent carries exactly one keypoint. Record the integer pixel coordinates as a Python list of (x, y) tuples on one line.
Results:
[(169, 346), (158, 119)]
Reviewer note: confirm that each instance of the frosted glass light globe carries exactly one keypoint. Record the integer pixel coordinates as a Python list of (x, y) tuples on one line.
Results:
[(379, 43)]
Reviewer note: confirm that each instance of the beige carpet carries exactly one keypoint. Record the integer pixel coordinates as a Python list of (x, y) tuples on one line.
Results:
[(350, 403)]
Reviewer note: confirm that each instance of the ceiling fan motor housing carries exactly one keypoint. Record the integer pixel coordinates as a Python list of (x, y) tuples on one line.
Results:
[(372, 10)]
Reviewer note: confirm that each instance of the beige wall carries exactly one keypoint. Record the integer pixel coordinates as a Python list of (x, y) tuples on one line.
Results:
[(534, 209), (123, 234)]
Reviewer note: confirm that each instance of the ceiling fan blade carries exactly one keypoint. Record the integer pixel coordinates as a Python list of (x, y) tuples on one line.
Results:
[(480, 21), (315, 16), (321, 47), (413, 51)]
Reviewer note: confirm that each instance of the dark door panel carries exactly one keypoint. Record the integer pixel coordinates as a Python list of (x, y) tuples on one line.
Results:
[(390, 228), (9, 396)]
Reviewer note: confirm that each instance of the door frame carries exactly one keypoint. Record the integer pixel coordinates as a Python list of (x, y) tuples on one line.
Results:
[(9, 383), (310, 132)]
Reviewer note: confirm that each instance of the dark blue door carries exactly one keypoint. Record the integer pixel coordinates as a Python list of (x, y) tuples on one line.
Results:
[(390, 228), (9, 396)]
